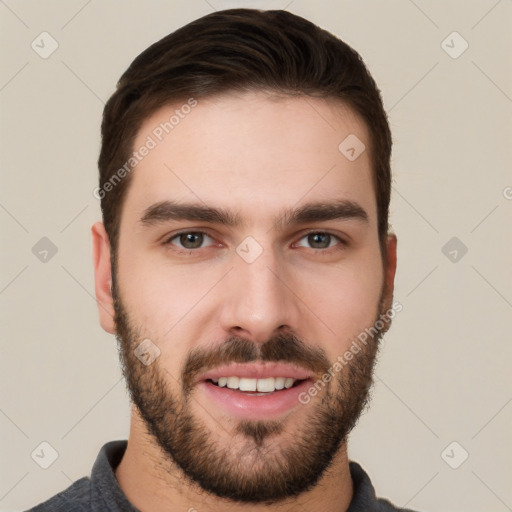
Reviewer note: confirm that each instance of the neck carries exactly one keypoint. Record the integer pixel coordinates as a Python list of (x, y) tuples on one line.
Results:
[(151, 482)]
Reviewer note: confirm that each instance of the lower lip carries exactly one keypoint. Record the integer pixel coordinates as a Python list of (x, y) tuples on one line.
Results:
[(252, 406)]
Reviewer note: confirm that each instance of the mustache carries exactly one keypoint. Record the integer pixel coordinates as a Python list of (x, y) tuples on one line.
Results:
[(283, 348)]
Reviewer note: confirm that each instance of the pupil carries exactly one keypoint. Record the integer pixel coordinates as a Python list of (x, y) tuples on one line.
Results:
[(188, 238), (314, 238)]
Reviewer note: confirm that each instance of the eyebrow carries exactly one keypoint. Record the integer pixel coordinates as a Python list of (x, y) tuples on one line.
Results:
[(165, 211)]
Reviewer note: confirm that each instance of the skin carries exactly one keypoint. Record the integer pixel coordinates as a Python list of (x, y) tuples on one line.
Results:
[(184, 300)]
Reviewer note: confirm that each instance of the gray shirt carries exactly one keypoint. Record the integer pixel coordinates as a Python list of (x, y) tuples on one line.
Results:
[(101, 492)]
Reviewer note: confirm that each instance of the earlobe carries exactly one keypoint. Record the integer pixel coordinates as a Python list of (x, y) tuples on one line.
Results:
[(103, 276)]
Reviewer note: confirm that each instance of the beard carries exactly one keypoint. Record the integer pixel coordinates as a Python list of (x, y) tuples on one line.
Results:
[(259, 461)]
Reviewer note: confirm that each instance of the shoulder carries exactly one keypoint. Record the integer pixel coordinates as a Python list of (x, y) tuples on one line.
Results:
[(76, 498), (383, 505), (364, 498), (97, 493)]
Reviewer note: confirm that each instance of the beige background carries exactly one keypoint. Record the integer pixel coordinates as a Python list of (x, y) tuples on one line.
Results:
[(444, 372)]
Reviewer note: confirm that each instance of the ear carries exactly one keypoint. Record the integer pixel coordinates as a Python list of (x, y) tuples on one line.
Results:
[(103, 276), (390, 271)]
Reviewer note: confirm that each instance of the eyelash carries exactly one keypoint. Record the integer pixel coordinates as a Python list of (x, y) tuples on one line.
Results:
[(342, 243)]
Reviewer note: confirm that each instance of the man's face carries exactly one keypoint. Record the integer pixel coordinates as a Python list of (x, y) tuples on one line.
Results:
[(266, 299)]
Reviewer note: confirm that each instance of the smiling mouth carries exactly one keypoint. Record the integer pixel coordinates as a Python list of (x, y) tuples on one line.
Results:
[(252, 394), (256, 387)]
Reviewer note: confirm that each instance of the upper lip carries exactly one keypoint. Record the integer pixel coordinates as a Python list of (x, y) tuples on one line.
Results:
[(256, 371)]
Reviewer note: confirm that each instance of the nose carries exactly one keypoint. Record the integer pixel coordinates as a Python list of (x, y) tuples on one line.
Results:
[(258, 298)]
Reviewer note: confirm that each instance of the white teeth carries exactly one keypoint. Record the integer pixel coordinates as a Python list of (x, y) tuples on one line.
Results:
[(247, 384), (267, 385), (279, 384), (288, 383), (233, 382)]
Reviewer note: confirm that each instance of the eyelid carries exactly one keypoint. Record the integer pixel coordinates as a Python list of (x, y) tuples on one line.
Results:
[(169, 238), (341, 240)]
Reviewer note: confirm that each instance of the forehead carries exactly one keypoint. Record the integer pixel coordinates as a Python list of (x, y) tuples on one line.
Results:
[(252, 153)]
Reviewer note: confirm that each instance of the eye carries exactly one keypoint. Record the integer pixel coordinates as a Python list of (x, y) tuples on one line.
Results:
[(189, 240), (322, 240), (193, 240)]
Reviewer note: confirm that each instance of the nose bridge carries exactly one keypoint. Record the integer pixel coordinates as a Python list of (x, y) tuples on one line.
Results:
[(258, 301)]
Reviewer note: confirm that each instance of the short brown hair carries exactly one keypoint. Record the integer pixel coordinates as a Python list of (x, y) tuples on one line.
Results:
[(240, 50)]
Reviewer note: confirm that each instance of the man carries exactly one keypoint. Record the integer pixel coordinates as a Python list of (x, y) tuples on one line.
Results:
[(245, 265)]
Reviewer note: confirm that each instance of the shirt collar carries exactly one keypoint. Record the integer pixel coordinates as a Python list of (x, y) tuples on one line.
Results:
[(104, 483)]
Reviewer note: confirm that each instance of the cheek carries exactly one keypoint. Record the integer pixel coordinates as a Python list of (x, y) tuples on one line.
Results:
[(345, 297), (162, 296)]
